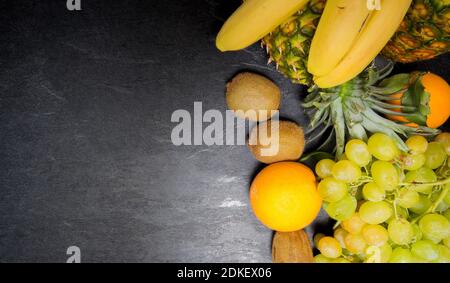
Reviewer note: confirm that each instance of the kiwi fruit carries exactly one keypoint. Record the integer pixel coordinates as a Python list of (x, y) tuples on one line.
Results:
[(249, 91), (291, 142)]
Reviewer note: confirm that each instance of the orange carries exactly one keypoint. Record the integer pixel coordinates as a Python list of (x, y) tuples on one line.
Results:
[(284, 196), (439, 91)]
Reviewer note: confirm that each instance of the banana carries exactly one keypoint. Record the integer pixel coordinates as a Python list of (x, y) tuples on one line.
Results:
[(380, 27), (253, 20), (341, 22)]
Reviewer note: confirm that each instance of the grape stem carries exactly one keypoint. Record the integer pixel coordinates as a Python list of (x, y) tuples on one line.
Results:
[(435, 204), (394, 204), (438, 201), (438, 183), (336, 225)]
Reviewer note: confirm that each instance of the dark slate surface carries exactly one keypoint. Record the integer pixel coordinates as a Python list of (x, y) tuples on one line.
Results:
[(85, 152)]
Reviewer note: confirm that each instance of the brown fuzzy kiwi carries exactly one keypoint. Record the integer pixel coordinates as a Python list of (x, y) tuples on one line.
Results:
[(291, 142), (249, 91)]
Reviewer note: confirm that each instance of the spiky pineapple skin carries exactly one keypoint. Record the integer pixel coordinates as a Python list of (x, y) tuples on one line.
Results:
[(423, 34), (288, 45)]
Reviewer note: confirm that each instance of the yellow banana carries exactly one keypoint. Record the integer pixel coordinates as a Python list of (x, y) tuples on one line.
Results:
[(380, 27), (253, 20), (339, 26)]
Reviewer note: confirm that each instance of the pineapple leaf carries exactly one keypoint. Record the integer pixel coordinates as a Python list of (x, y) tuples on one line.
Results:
[(316, 156), (393, 84), (318, 118), (337, 115), (326, 143), (386, 70), (357, 131), (418, 101)]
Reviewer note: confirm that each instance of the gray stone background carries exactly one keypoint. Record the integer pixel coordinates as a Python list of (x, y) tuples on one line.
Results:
[(86, 158)]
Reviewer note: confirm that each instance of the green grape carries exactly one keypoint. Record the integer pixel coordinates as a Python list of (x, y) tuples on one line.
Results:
[(417, 144), (425, 250), (355, 243), (358, 152), (413, 161), (358, 194), (340, 260), (383, 147), (417, 232), (434, 226), (321, 259), (444, 255), (341, 209), (372, 254), (435, 155), (373, 192), (407, 198), (446, 242), (332, 190), (339, 235), (324, 167), (385, 252), (330, 247), (401, 255), (354, 224), (346, 171), (422, 206), (384, 174), (375, 235), (431, 238), (423, 175), (400, 231), (447, 196), (375, 212), (317, 238), (447, 214), (401, 213), (441, 206), (444, 139)]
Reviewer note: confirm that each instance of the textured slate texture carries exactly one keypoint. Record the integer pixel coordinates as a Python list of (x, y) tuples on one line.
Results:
[(86, 158)]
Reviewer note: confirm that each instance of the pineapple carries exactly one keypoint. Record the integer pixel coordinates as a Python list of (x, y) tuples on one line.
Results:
[(424, 33), (288, 45), (359, 107)]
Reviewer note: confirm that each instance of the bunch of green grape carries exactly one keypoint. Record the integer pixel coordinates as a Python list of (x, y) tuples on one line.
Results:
[(390, 206)]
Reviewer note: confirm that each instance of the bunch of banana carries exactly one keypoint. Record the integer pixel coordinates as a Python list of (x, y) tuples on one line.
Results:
[(253, 20), (349, 37)]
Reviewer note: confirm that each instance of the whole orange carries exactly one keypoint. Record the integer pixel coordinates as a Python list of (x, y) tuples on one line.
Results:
[(284, 196), (439, 91)]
